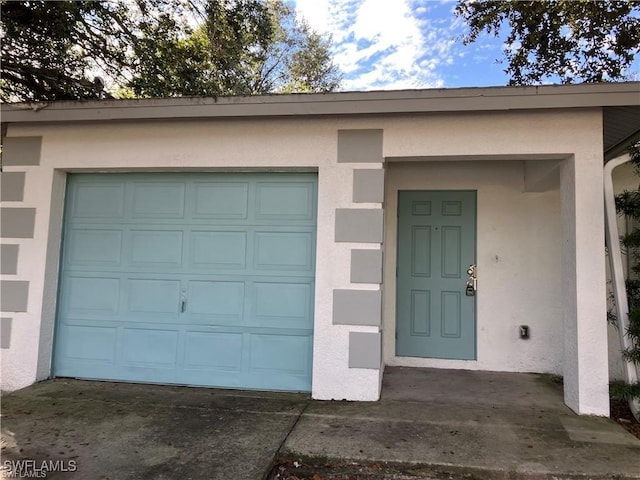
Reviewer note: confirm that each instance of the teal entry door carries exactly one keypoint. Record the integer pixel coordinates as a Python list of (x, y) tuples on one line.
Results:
[(436, 245)]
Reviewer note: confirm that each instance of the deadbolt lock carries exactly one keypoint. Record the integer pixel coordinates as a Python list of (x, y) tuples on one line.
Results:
[(470, 291), (472, 282)]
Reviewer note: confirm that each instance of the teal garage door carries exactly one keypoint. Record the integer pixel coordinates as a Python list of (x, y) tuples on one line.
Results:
[(194, 279)]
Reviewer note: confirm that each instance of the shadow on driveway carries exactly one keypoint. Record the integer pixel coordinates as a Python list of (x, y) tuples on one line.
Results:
[(125, 431)]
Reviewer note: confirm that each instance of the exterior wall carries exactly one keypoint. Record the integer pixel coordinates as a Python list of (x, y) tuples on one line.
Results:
[(343, 366), (624, 178), (518, 258), (186, 146), (575, 139), (21, 158), (586, 374)]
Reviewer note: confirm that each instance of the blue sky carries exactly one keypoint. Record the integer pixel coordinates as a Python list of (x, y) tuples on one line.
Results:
[(400, 44)]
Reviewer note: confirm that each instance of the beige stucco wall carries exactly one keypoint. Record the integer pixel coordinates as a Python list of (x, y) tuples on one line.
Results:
[(571, 136), (518, 258), (575, 138), (187, 146)]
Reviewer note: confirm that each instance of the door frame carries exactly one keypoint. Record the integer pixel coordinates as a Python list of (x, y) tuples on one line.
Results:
[(396, 287)]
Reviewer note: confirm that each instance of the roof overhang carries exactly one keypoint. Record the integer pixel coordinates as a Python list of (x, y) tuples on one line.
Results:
[(621, 129), (620, 101)]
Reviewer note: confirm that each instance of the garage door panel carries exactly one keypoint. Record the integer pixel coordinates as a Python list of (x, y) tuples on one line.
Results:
[(221, 200), (285, 201), (158, 200), (98, 201), (197, 279), (283, 251), (94, 247), (282, 305), (149, 348), (217, 299), (90, 295), (287, 354), (213, 350), (149, 296), (218, 249), (89, 343), (156, 248)]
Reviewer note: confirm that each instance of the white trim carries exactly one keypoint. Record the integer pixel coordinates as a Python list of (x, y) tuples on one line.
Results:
[(341, 103)]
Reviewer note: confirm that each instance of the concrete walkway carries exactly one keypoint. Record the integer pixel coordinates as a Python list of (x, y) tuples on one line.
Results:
[(483, 424), (468, 424)]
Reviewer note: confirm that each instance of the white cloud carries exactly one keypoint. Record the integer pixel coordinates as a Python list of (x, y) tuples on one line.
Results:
[(316, 12), (382, 44)]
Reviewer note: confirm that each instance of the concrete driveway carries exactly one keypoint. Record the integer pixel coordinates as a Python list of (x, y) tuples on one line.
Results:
[(125, 431), (435, 424)]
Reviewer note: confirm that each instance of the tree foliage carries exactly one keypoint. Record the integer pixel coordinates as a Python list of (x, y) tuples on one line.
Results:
[(48, 48), (628, 204), (241, 47), (159, 48), (571, 40)]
